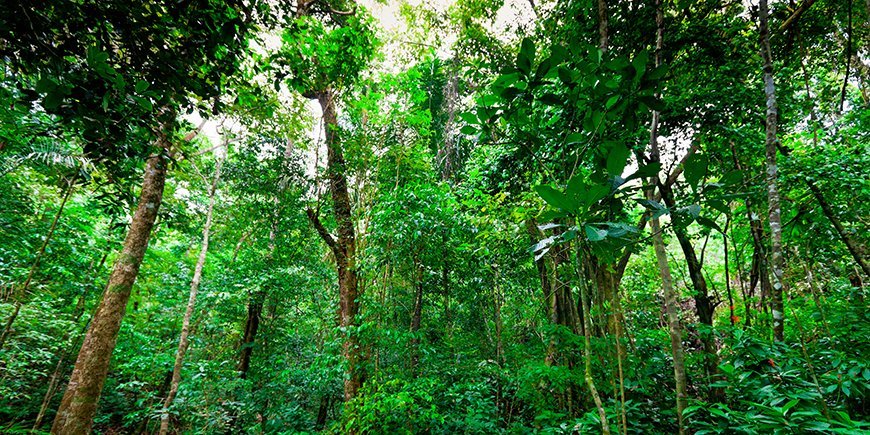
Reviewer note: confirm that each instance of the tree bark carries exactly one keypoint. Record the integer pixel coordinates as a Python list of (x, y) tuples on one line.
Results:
[(252, 324), (183, 341), (587, 342), (703, 305), (603, 38), (773, 204), (344, 247), (417, 315), (675, 330), (79, 405)]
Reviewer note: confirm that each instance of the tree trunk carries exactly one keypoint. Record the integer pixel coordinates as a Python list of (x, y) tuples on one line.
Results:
[(544, 266), (758, 271), (675, 330), (344, 247), (703, 306), (771, 142), (252, 324), (183, 342), (602, 25), (79, 405), (22, 291), (417, 315), (587, 342)]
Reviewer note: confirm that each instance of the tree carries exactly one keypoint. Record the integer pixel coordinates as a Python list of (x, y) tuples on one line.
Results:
[(773, 205), (94, 92)]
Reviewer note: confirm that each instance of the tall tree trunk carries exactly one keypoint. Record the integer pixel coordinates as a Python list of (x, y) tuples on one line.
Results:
[(344, 246), (22, 291), (774, 212), (183, 342), (675, 330), (703, 305), (79, 405)]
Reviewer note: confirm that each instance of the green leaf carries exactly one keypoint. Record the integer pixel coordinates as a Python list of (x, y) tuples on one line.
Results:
[(657, 72), (646, 171), (144, 103), (594, 234), (467, 129), (639, 62), (709, 223), (52, 100), (554, 197), (695, 169), (45, 85), (526, 56), (791, 404), (141, 86), (617, 159), (469, 118), (652, 102), (574, 138)]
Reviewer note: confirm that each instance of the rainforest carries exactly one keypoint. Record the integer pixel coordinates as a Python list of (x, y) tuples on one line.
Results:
[(434, 217)]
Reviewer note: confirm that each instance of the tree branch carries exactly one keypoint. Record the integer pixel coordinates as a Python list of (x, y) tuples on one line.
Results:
[(321, 230)]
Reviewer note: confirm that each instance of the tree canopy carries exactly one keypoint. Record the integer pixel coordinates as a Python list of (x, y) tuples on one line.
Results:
[(470, 216)]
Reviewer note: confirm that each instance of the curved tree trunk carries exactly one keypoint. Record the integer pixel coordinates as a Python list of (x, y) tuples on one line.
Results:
[(79, 405), (183, 341)]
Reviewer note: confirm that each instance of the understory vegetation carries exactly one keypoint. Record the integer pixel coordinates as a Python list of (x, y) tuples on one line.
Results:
[(468, 216)]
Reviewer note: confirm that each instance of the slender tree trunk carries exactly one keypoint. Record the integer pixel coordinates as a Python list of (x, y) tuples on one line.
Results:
[(758, 270), (498, 301), (675, 330), (22, 291), (417, 315), (728, 273), (344, 247), (183, 342), (79, 405), (587, 342), (703, 306), (774, 211), (549, 295)]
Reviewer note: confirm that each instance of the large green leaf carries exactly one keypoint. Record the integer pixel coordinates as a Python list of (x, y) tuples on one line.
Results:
[(554, 197), (695, 169), (617, 158)]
